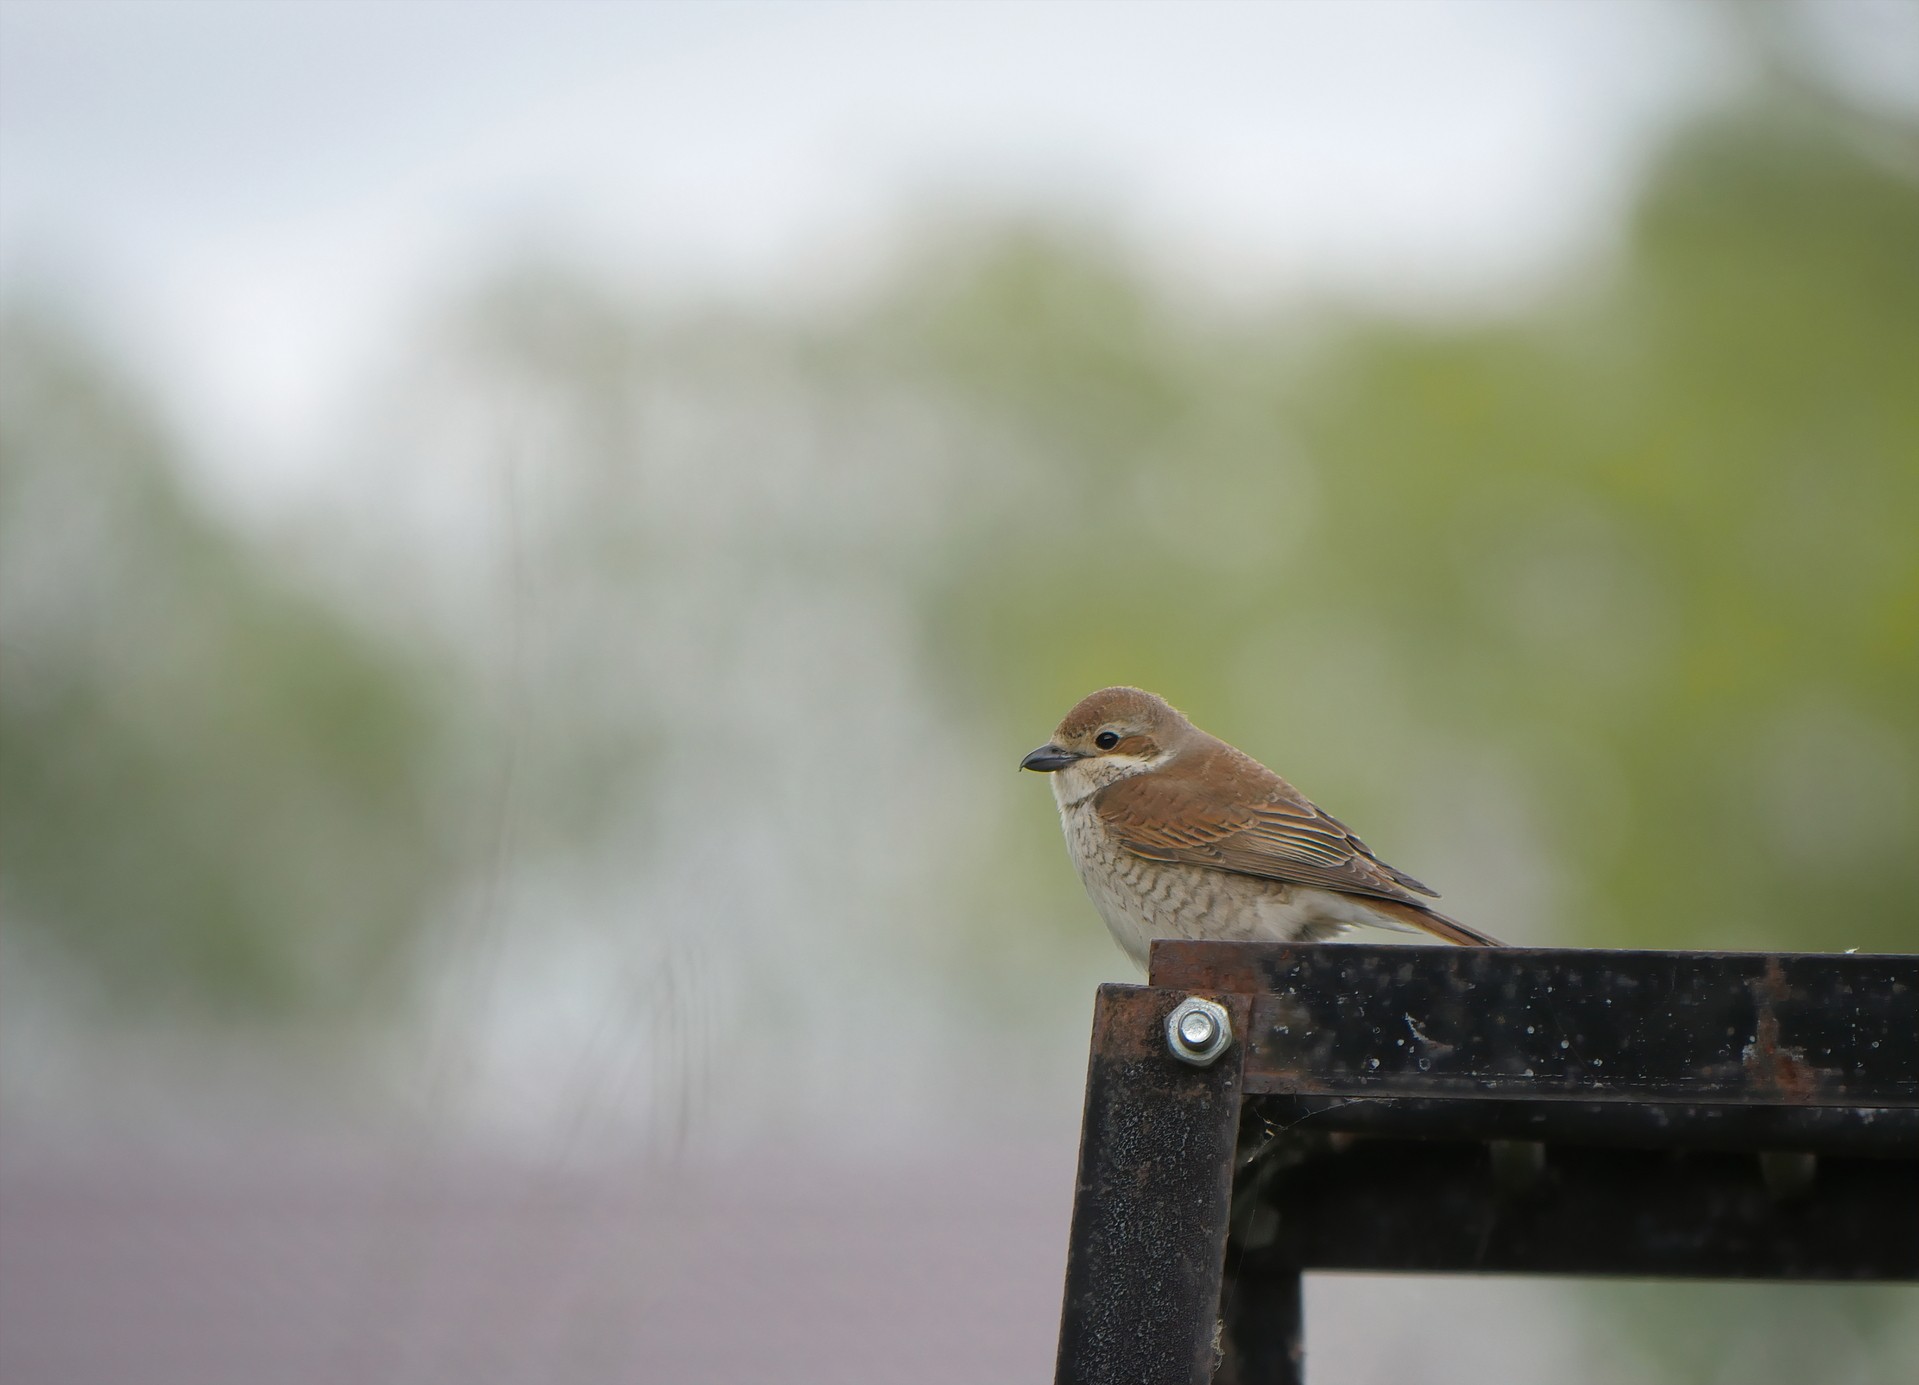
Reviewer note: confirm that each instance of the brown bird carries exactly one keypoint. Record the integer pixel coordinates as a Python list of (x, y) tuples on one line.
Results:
[(1178, 835)]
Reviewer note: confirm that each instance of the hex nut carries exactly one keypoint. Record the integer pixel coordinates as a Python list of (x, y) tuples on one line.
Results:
[(1198, 1031)]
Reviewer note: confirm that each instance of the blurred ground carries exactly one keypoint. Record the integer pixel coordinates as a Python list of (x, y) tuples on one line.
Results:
[(298, 1265)]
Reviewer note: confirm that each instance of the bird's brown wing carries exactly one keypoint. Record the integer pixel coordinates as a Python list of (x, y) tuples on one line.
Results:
[(1227, 811)]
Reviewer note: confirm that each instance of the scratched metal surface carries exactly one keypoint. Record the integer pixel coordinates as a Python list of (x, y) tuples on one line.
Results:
[(1146, 1255), (1589, 1026)]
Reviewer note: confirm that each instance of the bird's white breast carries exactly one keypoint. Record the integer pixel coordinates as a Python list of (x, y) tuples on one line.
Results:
[(1141, 900), (1112, 886)]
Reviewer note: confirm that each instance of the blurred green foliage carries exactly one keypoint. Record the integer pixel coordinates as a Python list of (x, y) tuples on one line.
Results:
[(213, 791)]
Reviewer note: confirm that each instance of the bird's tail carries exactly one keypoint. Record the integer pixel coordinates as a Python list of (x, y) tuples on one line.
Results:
[(1436, 923)]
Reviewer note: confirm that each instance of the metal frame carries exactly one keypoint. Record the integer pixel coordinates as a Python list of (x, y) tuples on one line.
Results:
[(1429, 1110)]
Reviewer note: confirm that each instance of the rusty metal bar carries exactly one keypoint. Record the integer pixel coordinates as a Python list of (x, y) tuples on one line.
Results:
[(1884, 1132), (1150, 1211), (1383, 1108), (1681, 1028), (1428, 1207)]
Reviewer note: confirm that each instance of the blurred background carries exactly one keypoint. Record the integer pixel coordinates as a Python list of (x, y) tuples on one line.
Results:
[(533, 537)]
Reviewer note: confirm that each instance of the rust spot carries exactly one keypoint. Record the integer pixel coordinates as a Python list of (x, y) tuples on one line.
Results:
[(1769, 1065)]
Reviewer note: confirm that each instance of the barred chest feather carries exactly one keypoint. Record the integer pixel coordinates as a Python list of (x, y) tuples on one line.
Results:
[(1141, 900)]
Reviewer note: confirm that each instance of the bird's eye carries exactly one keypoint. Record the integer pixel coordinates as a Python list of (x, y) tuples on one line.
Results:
[(1106, 740)]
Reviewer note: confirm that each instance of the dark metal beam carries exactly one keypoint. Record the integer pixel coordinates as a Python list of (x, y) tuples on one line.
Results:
[(1426, 1207), (1884, 1132), (1264, 1338), (1677, 1115), (1682, 1028), (1150, 1211)]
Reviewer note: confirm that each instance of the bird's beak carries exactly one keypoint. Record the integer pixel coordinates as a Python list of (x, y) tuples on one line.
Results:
[(1048, 758)]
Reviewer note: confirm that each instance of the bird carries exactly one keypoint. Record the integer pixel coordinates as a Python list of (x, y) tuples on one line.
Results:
[(1177, 834)]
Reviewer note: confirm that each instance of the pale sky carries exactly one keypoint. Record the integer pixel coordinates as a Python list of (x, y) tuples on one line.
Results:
[(256, 200)]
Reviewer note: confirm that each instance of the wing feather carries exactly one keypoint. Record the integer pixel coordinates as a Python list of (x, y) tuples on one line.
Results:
[(1218, 808)]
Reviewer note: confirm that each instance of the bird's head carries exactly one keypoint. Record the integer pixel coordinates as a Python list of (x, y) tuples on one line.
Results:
[(1109, 735)]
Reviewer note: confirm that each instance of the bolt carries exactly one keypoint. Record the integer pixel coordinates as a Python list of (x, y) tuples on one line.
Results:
[(1198, 1031)]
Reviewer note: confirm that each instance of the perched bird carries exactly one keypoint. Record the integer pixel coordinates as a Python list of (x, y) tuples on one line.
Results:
[(1178, 835)]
